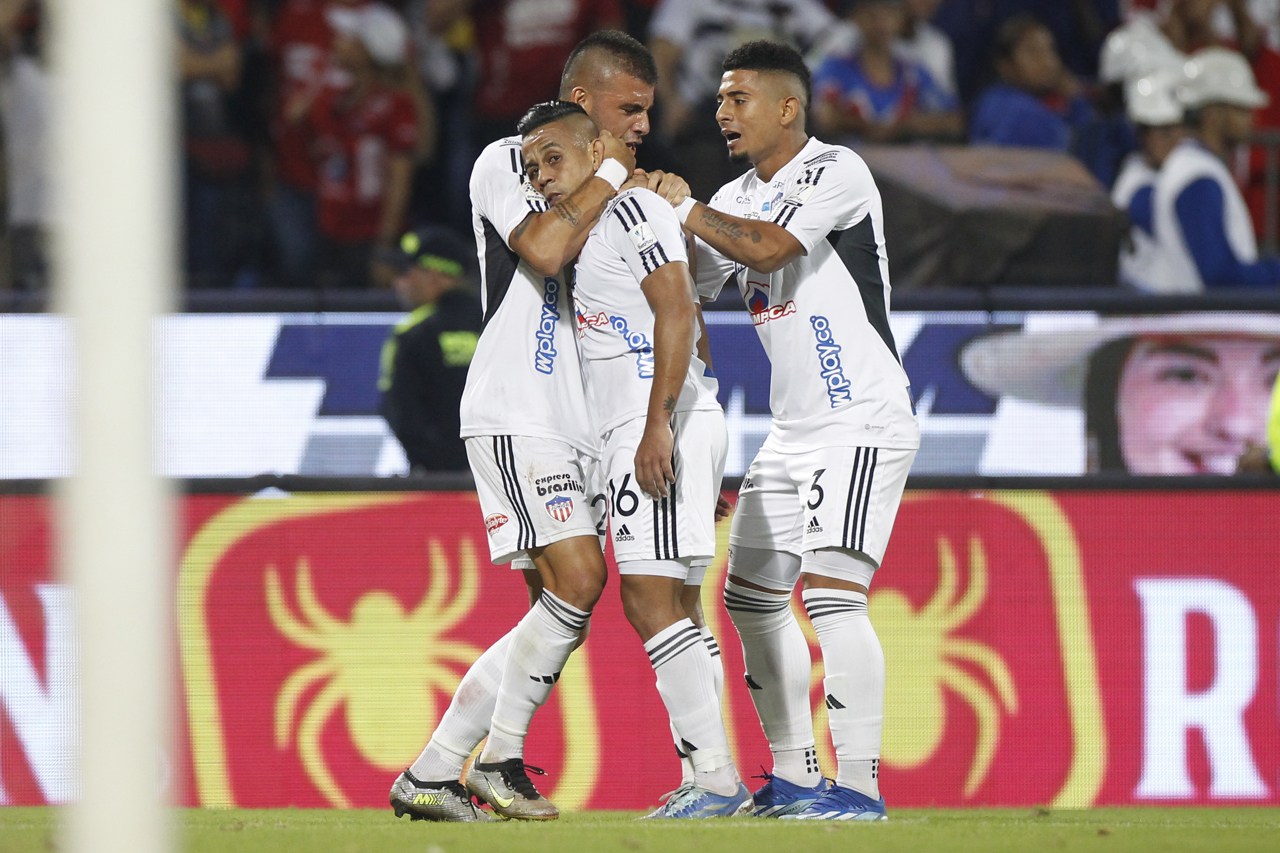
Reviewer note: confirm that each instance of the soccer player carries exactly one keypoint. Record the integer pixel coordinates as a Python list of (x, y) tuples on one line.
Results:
[(802, 236), (663, 433), (529, 439)]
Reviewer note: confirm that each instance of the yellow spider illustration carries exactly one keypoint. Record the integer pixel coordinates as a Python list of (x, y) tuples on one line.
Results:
[(923, 659), (384, 666)]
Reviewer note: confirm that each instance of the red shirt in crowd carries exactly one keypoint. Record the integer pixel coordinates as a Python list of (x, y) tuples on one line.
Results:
[(355, 140), (301, 42), (523, 45)]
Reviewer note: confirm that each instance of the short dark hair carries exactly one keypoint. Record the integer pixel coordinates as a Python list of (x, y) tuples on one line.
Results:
[(771, 56), (1012, 32), (545, 113), (624, 53)]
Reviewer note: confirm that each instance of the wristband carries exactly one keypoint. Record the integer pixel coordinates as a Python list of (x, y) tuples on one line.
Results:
[(613, 172), (684, 208)]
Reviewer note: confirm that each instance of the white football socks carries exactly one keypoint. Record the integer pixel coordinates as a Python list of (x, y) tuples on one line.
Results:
[(686, 681), (466, 721), (854, 686), (778, 666), (686, 764), (540, 646)]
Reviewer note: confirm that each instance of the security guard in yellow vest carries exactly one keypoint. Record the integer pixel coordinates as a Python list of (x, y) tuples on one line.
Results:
[(425, 359)]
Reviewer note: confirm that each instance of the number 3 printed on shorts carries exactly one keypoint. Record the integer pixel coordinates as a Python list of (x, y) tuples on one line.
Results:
[(618, 499), (816, 502)]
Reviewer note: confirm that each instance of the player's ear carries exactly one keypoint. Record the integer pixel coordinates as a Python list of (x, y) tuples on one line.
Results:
[(581, 97), (790, 110), (597, 153)]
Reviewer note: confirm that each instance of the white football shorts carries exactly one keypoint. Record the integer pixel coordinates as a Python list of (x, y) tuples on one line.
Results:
[(832, 497), (682, 526), (533, 491)]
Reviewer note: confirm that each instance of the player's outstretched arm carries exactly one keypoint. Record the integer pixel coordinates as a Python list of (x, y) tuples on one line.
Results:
[(548, 240), (669, 290), (762, 246)]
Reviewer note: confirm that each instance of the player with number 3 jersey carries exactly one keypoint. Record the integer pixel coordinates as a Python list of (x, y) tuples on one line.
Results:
[(801, 234)]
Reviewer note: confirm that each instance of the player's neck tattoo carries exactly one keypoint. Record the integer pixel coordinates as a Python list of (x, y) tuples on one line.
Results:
[(568, 211), (728, 228)]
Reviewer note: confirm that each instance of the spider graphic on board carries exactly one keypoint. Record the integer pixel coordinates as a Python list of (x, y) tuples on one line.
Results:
[(925, 658), (384, 667)]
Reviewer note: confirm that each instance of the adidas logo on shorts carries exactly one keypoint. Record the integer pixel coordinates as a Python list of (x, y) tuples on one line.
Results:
[(814, 526), (622, 534)]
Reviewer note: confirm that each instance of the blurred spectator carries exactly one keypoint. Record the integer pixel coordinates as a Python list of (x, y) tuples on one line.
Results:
[(1078, 27), (444, 41), (302, 41), (877, 94), (24, 111), (1161, 37), (523, 45), (367, 134), (1154, 108), (1201, 222), (217, 158), (919, 42), (1038, 103), (689, 40), (425, 360)]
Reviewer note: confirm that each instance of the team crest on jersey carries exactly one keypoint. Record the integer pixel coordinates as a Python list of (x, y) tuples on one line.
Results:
[(560, 508), (758, 298), (799, 195), (493, 521), (642, 237)]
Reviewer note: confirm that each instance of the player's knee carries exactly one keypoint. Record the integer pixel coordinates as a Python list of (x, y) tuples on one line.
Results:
[(580, 587)]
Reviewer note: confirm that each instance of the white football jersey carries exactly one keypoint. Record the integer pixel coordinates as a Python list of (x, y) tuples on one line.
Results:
[(824, 317), (638, 233), (525, 377)]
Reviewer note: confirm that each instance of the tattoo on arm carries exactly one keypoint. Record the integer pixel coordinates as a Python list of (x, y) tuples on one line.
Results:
[(569, 212), (732, 230), (669, 404), (518, 231)]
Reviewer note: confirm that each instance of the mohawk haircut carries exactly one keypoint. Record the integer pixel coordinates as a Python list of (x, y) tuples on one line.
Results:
[(771, 56), (545, 113), (624, 53)]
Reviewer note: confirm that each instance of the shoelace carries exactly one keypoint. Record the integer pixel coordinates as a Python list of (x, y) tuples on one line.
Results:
[(676, 793), (518, 779)]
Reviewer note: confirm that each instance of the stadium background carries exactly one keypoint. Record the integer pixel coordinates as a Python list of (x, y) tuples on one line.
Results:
[(1057, 639)]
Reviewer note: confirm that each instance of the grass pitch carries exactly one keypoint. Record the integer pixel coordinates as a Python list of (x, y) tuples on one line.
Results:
[(33, 830)]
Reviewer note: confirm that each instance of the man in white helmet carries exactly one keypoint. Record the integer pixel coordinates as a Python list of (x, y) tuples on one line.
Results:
[(1153, 107), (1202, 224)]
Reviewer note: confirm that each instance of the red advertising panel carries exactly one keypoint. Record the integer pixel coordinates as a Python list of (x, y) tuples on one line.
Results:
[(1067, 649)]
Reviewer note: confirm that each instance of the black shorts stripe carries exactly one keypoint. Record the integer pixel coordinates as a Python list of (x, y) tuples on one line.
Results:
[(848, 504), (657, 532), (508, 488), (528, 533), (866, 503)]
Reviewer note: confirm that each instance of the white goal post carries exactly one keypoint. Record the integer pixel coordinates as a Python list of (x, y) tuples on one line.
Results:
[(115, 184)]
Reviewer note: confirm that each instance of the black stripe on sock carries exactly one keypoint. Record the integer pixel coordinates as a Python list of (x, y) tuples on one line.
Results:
[(679, 635), (658, 660)]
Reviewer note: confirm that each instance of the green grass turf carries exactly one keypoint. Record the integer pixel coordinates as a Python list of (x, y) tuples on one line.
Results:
[(32, 830)]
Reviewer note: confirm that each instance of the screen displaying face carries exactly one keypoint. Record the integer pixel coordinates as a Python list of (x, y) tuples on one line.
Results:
[(1192, 404)]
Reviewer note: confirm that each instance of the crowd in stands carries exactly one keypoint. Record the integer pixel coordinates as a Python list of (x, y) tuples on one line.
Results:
[(316, 132)]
